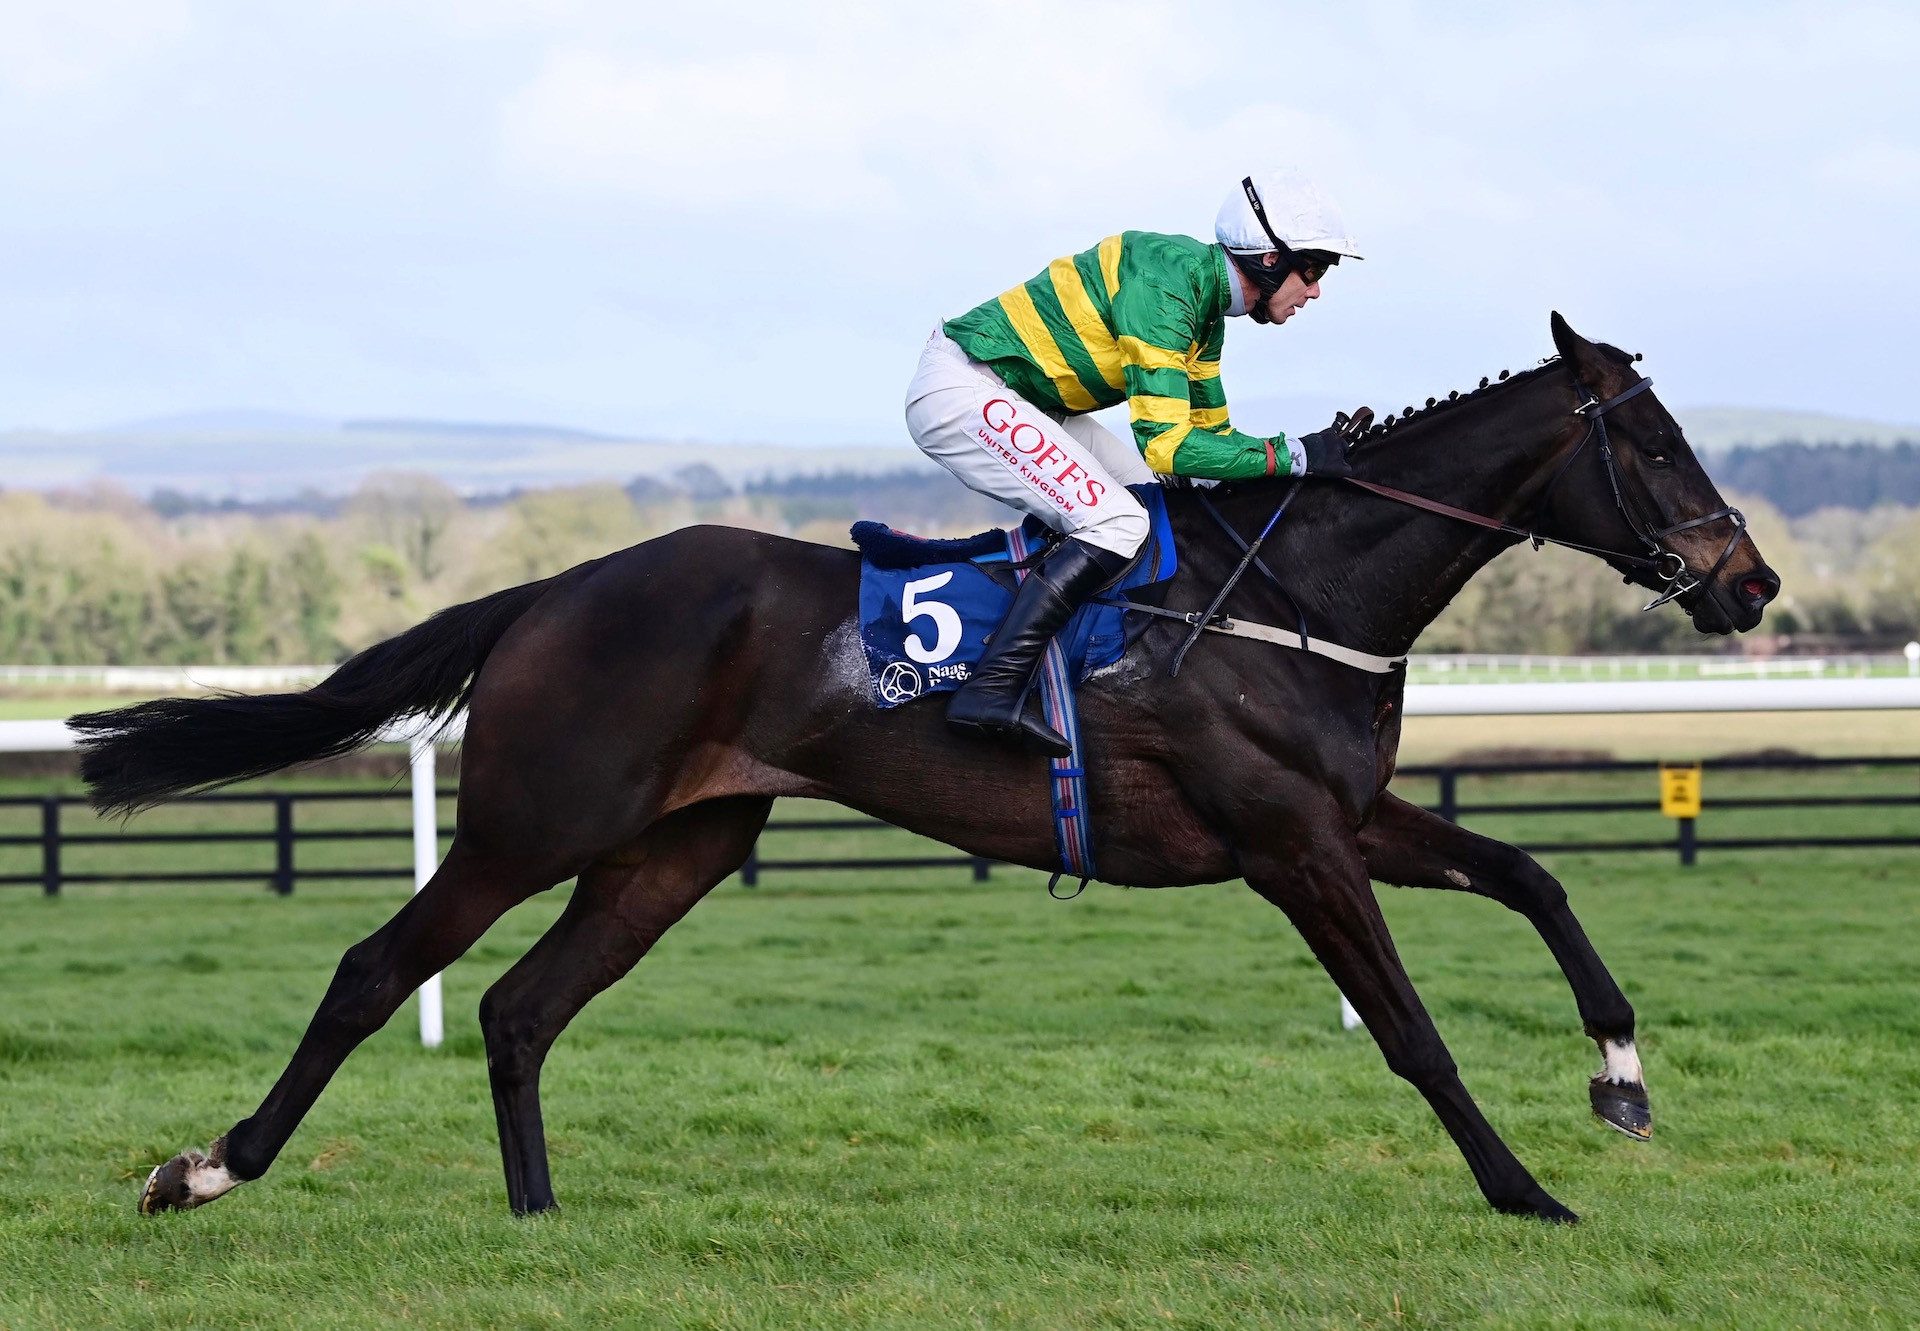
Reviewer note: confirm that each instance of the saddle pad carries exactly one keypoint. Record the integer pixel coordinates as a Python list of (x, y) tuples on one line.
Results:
[(925, 625)]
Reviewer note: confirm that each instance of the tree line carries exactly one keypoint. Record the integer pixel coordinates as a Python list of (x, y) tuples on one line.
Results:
[(100, 577), (1799, 478)]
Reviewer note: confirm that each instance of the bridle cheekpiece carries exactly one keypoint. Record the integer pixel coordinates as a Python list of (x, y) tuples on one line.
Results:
[(1667, 564)]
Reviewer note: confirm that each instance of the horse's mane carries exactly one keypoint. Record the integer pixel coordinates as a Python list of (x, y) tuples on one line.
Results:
[(1435, 405), (1489, 384)]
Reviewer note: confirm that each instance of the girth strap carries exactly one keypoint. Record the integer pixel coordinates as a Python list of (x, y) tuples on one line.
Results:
[(1200, 622)]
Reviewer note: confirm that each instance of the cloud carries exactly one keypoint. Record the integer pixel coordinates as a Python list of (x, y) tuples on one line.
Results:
[(1889, 170), (1008, 107), (703, 135), (50, 47)]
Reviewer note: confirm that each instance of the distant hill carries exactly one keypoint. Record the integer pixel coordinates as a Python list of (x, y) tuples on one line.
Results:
[(267, 456), (477, 429), (222, 422), (220, 455), (1713, 428), (1727, 427)]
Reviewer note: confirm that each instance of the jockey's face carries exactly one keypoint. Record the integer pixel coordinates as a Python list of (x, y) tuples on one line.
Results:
[(1281, 306), (1295, 292)]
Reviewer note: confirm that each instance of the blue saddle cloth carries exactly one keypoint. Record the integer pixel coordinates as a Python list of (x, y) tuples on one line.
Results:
[(927, 606)]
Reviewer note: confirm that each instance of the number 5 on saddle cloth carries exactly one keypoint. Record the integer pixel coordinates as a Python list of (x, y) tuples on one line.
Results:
[(927, 608)]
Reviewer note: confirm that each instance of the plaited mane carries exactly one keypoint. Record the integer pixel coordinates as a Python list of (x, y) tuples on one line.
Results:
[(1492, 384), (1435, 406)]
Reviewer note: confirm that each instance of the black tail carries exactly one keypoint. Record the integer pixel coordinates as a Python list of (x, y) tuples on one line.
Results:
[(134, 757)]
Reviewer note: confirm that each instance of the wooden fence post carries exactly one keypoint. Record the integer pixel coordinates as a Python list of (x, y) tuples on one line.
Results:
[(50, 845), (283, 845)]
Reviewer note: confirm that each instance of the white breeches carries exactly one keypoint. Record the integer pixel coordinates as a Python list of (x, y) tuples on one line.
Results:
[(1071, 474)]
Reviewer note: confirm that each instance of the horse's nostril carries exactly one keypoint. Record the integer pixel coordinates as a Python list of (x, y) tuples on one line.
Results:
[(1758, 588)]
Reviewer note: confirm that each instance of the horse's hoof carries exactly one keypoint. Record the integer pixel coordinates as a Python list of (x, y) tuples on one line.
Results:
[(188, 1180), (1540, 1206), (1622, 1107)]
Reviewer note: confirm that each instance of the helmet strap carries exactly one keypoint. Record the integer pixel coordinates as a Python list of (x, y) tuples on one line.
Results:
[(1260, 216)]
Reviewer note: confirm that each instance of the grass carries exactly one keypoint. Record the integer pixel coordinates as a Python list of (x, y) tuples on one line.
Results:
[(903, 1100), (25, 705)]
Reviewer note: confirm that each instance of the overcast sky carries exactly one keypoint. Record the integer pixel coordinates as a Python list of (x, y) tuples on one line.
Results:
[(738, 221)]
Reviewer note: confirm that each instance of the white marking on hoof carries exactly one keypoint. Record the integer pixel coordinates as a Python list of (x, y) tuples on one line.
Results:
[(1623, 1063), (1458, 879), (210, 1181), (190, 1179)]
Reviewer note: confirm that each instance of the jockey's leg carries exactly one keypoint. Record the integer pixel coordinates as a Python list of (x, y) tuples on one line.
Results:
[(1002, 445), (1123, 461), (993, 700)]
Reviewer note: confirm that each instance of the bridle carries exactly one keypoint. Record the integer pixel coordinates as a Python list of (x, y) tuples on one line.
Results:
[(1666, 565)]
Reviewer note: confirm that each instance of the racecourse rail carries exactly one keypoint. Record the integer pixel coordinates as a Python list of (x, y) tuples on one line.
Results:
[(47, 828), (1744, 695)]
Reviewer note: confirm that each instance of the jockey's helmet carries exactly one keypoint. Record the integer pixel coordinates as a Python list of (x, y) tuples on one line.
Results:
[(1282, 212)]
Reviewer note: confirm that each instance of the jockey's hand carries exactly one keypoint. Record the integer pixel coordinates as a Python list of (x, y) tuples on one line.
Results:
[(1350, 428), (1327, 449), (1326, 452)]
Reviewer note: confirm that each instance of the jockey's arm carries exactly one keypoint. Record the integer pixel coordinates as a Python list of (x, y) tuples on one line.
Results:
[(1174, 398)]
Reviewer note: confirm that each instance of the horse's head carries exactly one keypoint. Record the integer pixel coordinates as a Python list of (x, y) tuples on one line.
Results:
[(1635, 486)]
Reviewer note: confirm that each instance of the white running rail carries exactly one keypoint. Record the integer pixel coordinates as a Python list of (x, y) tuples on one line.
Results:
[(1726, 695)]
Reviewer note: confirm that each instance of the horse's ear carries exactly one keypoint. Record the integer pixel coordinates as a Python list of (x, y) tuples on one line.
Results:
[(1590, 365), (1567, 342)]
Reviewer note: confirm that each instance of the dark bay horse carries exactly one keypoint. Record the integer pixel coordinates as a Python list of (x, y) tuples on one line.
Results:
[(631, 722)]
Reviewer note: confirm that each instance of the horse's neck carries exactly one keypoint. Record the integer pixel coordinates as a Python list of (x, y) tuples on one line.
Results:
[(1371, 573)]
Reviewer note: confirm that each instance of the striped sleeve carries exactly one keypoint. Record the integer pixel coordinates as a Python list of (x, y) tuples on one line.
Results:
[(1174, 398)]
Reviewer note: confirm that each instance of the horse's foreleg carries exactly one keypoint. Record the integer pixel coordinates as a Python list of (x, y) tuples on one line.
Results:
[(622, 906), (375, 976), (1411, 847), (1326, 894)]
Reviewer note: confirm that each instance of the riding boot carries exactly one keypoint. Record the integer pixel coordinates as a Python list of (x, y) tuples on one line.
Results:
[(993, 702)]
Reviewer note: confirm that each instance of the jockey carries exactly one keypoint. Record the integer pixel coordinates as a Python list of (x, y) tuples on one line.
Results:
[(1002, 394)]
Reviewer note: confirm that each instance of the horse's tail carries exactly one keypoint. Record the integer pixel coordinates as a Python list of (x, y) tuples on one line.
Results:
[(135, 757)]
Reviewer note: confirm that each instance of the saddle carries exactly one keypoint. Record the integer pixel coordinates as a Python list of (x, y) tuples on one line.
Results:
[(927, 607)]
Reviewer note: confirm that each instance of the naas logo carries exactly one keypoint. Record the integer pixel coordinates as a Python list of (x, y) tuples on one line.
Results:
[(900, 682)]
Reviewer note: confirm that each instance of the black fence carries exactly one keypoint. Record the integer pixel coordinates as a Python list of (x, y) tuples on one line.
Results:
[(56, 839), (1686, 841), (758, 864), (61, 829)]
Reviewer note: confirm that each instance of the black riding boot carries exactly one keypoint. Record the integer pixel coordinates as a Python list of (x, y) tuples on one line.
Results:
[(993, 701)]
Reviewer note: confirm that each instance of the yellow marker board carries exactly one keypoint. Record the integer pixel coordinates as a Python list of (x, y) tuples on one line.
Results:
[(1680, 790)]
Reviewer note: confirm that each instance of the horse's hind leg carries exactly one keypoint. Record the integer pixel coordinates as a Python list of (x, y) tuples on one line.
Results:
[(622, 906), (1407, 845), (376, 975)]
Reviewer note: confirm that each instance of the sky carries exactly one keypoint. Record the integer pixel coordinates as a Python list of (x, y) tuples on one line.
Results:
[(739, 221)]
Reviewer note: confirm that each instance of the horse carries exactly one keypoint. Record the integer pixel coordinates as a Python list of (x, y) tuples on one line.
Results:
[(632, 720)]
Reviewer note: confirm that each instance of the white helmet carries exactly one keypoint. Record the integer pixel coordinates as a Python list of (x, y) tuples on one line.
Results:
[(1282, 210)]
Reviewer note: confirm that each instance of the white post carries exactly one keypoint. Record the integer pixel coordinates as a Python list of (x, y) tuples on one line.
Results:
[(426, 859), (1349, 1019), (1912, 652)]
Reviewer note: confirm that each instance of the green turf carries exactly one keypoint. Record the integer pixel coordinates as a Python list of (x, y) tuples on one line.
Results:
[(903, 1100)]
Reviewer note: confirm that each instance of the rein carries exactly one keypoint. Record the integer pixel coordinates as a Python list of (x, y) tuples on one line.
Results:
[(1665, 564)]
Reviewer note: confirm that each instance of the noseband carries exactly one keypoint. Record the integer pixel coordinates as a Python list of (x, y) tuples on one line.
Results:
[(1666, 565)]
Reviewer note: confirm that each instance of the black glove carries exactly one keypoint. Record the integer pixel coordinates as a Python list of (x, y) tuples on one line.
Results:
[(1327, 449)]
